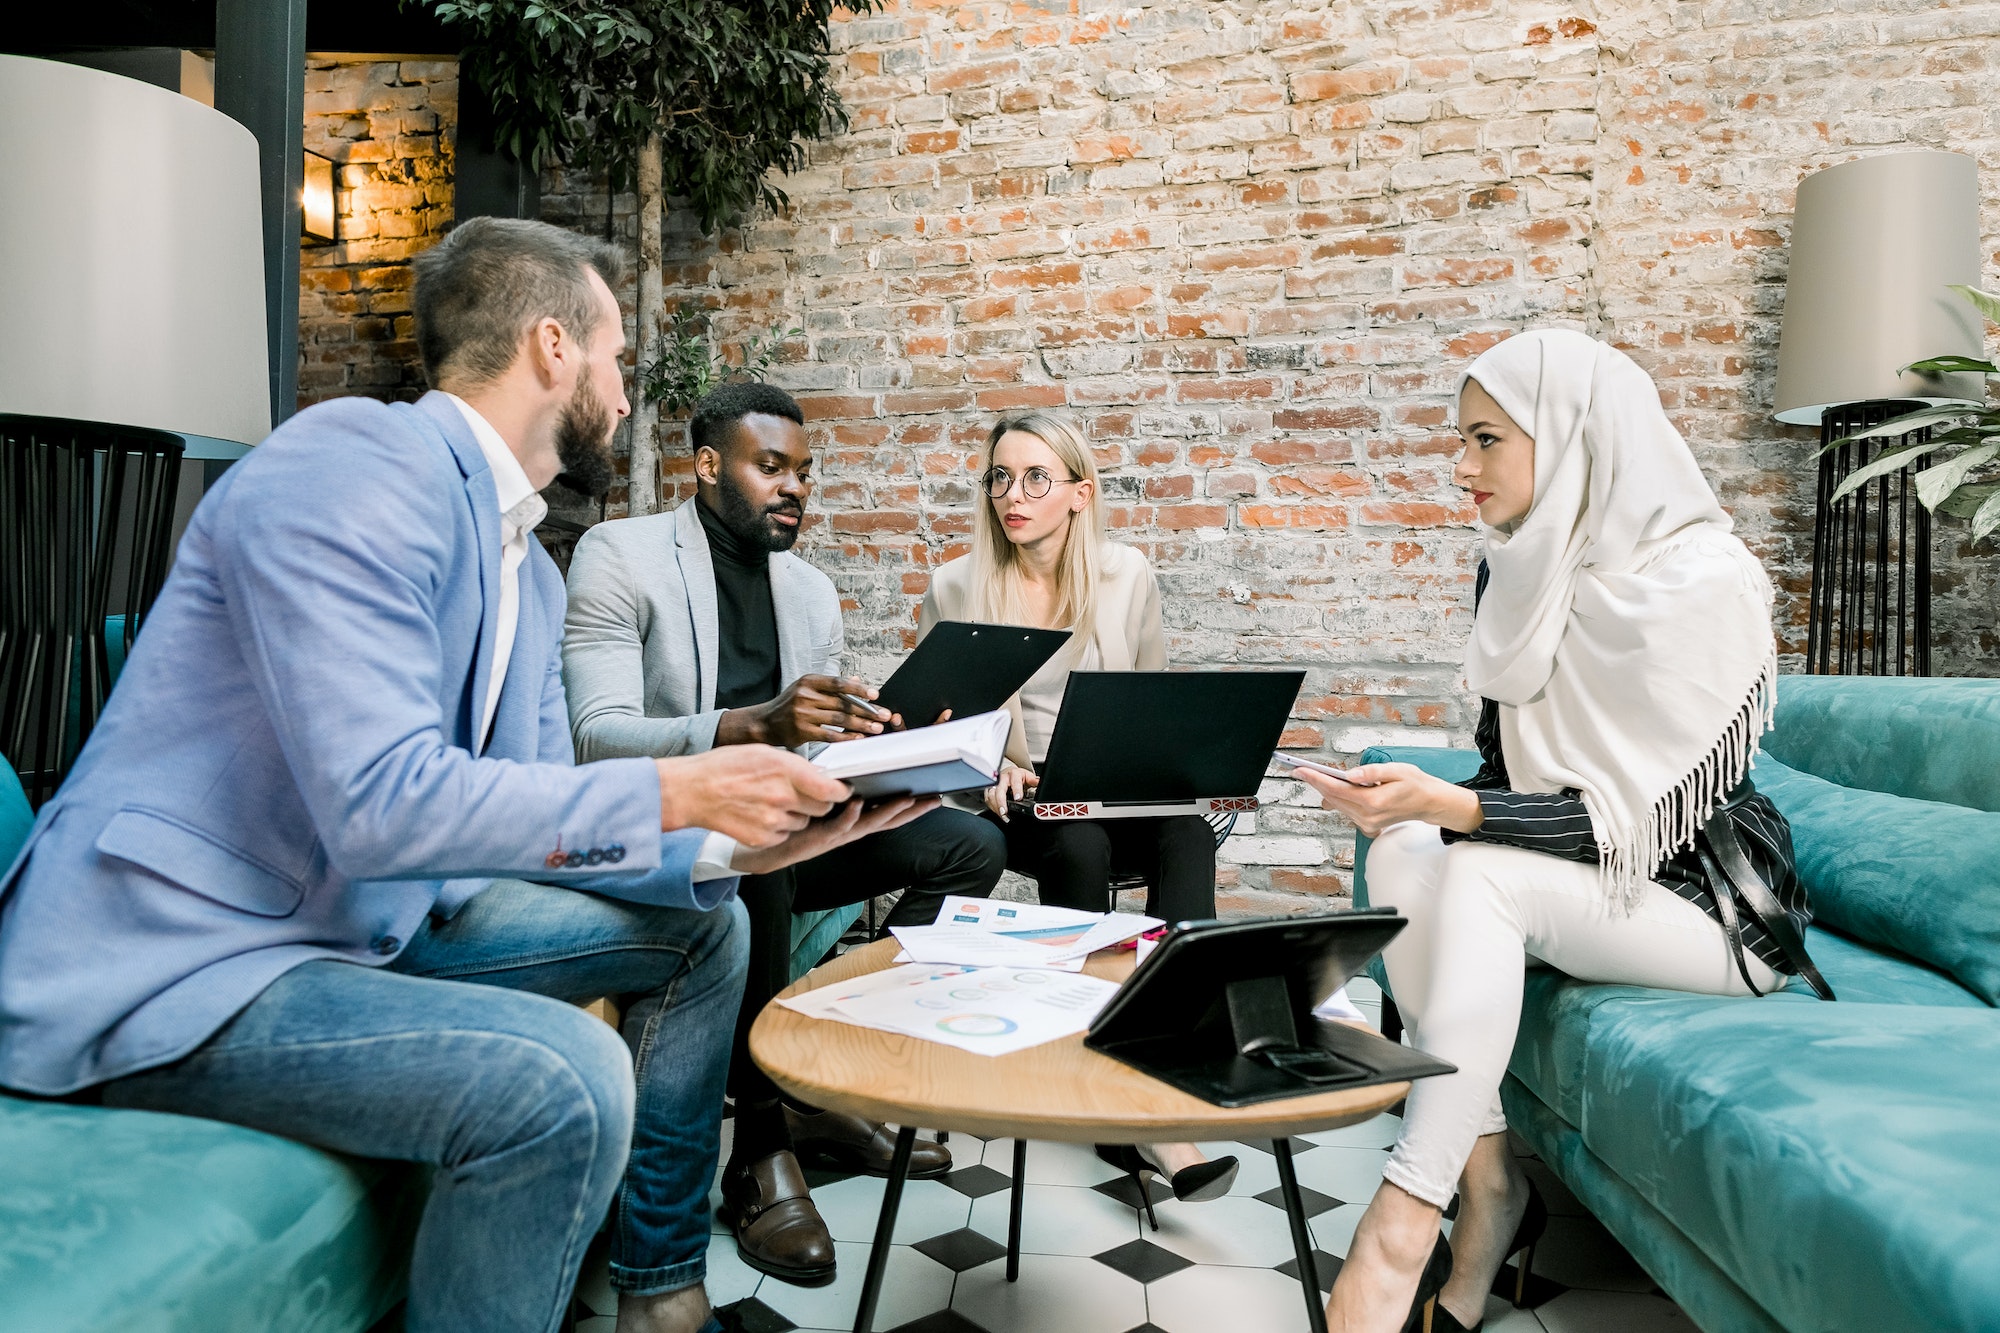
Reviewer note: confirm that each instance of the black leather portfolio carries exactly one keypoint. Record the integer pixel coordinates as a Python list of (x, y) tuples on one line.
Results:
[(968, 668), (1223, 1010)]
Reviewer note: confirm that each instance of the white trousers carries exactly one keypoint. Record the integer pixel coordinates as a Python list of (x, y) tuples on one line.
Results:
[(1479, 914)]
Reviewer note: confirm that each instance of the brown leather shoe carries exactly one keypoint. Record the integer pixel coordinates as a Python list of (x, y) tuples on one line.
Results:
[(778, 1231), (849, 1143)]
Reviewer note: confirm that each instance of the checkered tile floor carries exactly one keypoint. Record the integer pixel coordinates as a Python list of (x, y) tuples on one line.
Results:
[(1089, 1263)]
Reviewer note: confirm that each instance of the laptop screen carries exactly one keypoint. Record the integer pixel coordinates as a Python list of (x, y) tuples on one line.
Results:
[(1141, 736)]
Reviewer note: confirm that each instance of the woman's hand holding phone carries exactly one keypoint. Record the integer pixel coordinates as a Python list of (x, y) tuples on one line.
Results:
[(1375, 796)]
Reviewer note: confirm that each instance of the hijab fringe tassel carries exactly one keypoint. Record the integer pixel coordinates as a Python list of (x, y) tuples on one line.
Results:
[(1682, 813)]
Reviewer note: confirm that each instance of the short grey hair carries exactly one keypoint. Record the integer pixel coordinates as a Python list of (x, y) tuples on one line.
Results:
[(490, 280)]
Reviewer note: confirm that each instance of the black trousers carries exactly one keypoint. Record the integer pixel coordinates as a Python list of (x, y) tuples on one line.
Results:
[(1073, 860), (942, 853)]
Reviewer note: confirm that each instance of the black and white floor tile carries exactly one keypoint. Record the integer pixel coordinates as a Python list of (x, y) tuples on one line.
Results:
[(1090, 1264)]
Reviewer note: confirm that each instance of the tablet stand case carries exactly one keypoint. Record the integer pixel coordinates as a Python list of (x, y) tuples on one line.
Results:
[(1223, 1011)]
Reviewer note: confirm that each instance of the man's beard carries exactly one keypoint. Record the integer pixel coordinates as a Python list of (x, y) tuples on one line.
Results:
[(583, 442), (753, 526)]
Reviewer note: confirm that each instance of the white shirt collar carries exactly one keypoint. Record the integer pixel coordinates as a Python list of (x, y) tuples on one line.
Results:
[(510, 480)]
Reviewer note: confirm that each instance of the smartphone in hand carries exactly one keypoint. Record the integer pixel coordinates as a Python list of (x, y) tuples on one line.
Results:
[(1324, 770)]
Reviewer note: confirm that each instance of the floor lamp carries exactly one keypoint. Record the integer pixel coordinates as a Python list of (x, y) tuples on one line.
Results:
[(1876, 245), (132, 370)]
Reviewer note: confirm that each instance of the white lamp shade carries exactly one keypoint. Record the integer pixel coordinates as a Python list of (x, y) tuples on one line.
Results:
[(131, 256), (1876, 244)]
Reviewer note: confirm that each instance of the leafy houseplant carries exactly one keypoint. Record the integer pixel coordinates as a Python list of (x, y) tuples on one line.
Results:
[(723, 91), (685, 364), (699, 100), (1964, 484)]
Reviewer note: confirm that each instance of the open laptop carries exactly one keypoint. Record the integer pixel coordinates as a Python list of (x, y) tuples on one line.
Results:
[(1146, 744)]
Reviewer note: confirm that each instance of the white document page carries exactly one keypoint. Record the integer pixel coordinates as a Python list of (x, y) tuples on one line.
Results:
[(978, 948), (991, 1011), (1062, 933), (979, 741), (1339, 1008), (826, 1000)]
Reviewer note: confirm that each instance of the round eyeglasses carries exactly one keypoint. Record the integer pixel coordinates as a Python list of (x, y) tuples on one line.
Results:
[(1036, 482)]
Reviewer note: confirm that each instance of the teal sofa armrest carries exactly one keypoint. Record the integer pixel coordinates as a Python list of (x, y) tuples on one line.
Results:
[(813, 934), (116, 1219)]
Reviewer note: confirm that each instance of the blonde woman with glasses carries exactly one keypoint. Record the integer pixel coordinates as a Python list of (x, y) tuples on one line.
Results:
[(1040, 557)]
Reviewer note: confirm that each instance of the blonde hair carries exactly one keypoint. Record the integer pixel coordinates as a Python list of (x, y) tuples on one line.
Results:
[(996, 562)]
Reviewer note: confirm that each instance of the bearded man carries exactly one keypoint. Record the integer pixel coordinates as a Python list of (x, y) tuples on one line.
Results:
[(326, 867), (696, 631)]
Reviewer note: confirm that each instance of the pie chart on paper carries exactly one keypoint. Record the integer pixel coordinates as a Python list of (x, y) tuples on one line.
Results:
[(977, 1025)]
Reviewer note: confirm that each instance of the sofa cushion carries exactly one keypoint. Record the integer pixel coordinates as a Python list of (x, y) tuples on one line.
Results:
[(1916, 876), (1925, 738), (1559, 1015), (115, 1220), (1862, 974), (1835, 1160)]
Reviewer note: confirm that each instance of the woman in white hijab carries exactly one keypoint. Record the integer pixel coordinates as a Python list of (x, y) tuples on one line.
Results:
[(1623, 648)]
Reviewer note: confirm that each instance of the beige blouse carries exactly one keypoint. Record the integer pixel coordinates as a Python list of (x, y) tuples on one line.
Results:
[(1130, 636)]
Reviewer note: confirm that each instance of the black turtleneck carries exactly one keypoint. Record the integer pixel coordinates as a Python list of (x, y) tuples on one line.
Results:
[(746, 669)]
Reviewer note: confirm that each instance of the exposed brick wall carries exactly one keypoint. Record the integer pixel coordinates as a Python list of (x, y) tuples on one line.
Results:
[(388, 127), (1251, 245)]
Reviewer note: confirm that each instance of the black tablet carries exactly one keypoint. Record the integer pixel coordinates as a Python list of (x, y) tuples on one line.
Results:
[(968, 668), (1224, 1010)]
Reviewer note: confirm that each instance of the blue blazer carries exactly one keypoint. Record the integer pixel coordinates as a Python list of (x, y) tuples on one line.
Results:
[(289, 767)]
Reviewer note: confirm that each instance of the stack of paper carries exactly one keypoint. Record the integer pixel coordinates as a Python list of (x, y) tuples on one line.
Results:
[(982, 932), (950, 756), (985, 1010)]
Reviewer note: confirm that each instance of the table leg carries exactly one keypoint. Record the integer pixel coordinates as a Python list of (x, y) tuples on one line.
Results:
[(1302, 1246), (885, 1228), (1014, 1209)]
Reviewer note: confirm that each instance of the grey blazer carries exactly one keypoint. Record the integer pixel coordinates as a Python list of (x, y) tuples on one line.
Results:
[(639, 639)]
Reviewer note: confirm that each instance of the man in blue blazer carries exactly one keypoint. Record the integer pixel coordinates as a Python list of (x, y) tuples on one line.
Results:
[(286, 884)]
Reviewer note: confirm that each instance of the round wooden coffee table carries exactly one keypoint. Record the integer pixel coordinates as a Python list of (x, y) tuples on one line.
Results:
[(1057, 1091)]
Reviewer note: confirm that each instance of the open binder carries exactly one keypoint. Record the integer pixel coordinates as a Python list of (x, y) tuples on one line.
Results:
[(1223, 1010), (952, 756)]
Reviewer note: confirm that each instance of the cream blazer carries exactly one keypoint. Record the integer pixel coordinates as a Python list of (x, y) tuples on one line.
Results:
[(1129, 632)]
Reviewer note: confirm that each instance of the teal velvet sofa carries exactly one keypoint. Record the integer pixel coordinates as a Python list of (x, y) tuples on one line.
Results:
[(118, 1221), (1784, 1163)]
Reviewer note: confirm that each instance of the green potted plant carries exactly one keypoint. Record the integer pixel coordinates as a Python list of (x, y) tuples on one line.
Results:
[(1965, 484), (700, 101), (685, 362)]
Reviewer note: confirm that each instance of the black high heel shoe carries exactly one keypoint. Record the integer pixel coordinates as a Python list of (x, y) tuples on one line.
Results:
[(1533, 1223), (1425, 1312), (1194, 1184)]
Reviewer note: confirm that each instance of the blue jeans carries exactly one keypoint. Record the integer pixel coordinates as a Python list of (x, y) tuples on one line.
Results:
[(464, 1054)]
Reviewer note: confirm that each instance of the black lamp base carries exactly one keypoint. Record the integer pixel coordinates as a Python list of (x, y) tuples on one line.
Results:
[(1870, 608)]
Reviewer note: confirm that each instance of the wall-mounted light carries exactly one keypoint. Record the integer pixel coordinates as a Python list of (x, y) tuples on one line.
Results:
[(316, 214)]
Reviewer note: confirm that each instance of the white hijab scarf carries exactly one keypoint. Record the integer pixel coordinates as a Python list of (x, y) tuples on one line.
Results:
[(1625, 631)]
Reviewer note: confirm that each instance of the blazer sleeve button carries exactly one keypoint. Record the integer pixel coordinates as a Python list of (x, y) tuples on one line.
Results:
[(573, 860), (555, 860), (615, 853), (387, 945), (594, 857)]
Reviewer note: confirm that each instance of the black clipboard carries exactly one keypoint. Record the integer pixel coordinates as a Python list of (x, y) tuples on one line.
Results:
[(1223, 1010), (967, 667)]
